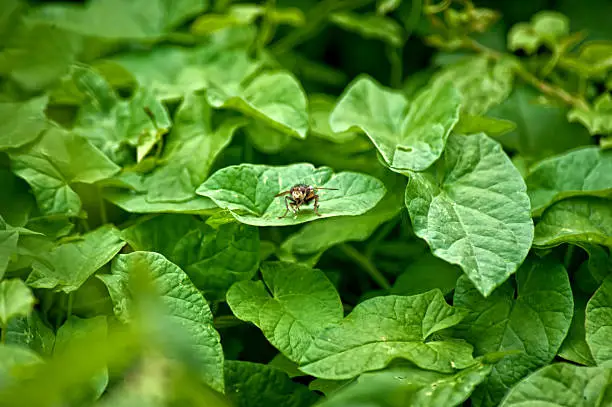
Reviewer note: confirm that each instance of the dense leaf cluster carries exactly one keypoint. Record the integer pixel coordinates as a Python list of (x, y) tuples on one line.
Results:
[(460, 256)]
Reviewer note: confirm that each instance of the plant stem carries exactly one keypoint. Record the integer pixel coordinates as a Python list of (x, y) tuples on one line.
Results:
[(569, 254), (3, 334), (103, 214), (380, 235), (395, 55), (544, 87), (227, 321), (267, 29), (366, 264)]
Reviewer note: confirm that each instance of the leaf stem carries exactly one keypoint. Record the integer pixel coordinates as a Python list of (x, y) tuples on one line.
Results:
[(366, 265), (227, 321), (395, 55), (267, 29), (544, 87), (380, 235)]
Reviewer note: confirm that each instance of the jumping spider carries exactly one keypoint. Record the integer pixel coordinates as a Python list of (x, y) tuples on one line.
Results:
[(301, 194)]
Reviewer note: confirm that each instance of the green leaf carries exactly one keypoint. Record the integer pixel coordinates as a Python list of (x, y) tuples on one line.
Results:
[(407, 135), (275, 98), (322, 234), (533, 318), (117, 127), (550, 181), (427, 273), (382, 329), (253, 385), (16, 300), (482, 124), (472, 209), (213, 257), (248, 191), (291, 309), (135, 202), (68, 265), (562, 385), (31, 332), (408, 386), (22, 122), (8, 245), (17, 210), (483, 83), (370, 26), (186, 305), (545, 28), (598, 325), (56, 161), (116, 19), (597, 119), (594, 59), (387, 6), (76, 329), (574, 347), (245, 14), (575, 220)]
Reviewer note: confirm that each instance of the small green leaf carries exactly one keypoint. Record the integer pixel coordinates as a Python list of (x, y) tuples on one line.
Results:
[(597, 119), (293, 307), (562, 385), (16, 299), (598, 324), (213, 257), (253, 385), (408, 386), (483, 124), (382, 329), (186, 307), (56, 161), (275, 98), (472, 209), (408, 136), (68, 265), (575, 220), (370, 26), (22, 122), (550, 180), (545, 28), (425, 274), (482, 82), (533, 318), (249, 192)]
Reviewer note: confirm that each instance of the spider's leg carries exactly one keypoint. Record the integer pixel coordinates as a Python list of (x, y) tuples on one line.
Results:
[(316, 205), (287, 200)]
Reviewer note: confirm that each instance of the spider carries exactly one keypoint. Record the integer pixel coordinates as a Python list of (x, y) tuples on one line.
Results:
[(301, 194)]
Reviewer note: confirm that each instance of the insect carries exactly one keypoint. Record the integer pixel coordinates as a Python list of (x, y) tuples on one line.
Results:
[(301, 194)]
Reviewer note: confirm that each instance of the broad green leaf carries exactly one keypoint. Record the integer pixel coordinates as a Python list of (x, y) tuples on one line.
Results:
[(370, 26), (275, 98), (545, 28), (16, 299), (117, 20), (56, 161), (68, 265), (575, 220), (382, 329), (574, 347), (31, 332), (12, 358), (582, 172), (291, 309), (8, 245), (34, 64), (533, 318), (472, 209), (118, 127), (597, 119), (408, 386), (77, 329), (425, 274), (248, 191), (186, 306), (252, 385), (22, 122), (135, 202), (541, 130), (408, 135), (321, 107), (483, 83), (190, 151), (213, 257), (598, 324), (320, 235), (562, 385)]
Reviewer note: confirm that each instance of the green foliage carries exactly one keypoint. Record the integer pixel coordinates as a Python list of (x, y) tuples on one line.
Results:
[(454, 251)]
